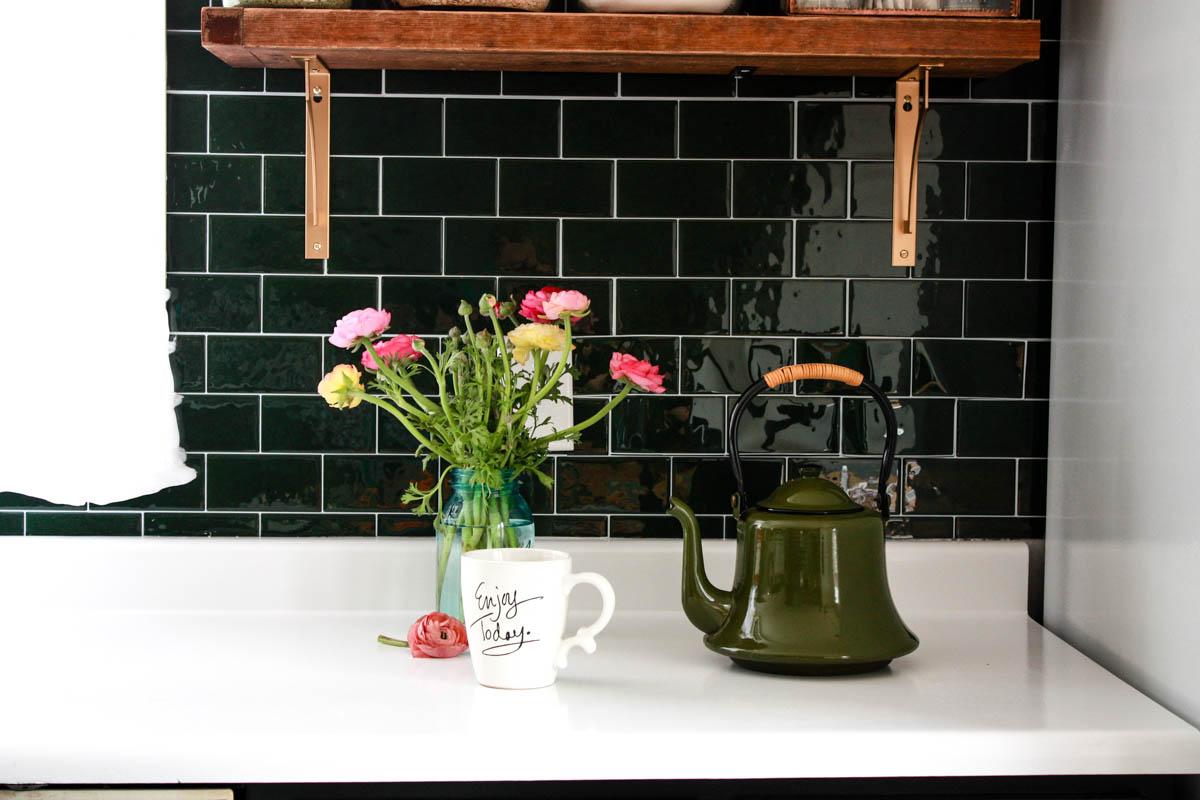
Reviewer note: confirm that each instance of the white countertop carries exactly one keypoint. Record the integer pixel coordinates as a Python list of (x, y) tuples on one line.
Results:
[(124, 695)]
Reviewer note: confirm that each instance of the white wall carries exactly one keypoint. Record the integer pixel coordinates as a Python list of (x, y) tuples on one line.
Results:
[(1122, 545)]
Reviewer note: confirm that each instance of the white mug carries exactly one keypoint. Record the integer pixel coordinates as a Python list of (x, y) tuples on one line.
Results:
[(515, 608)]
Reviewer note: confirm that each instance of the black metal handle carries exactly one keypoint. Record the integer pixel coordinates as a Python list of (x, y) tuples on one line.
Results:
[(889, 446)]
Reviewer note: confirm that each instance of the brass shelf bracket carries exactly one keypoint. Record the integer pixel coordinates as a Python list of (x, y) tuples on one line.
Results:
[(912, 101), (316, 156)]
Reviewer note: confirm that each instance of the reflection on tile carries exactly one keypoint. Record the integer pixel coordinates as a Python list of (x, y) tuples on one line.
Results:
[(570, 525), (707, 485), (618, 247), (159, 524), (858, 477), (592, 357), (263, 363), (925, 426), (261, 483), (213, 183), (405, 525), (430, 305), (696, 306), (735, 248), (371, 483), (730, 366), (301, 424), (743, 129), (965, 368), (789, 425), (318, 525), (959, 486), (1002, 427), (220, 422), (662, 527), (941, 194), (644, 424), (802, 307), (590, 485), (313, 304), (905, 308), (883, 362), (501, 247), (789, 189)]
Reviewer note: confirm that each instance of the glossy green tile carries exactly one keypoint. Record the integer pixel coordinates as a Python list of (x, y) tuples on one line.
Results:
[(1039, 250), (635, 84), (385, 126), (65, 523), (1031, 486), (858, 477), (313, 304), (501, 247), (218, 422), (556, 188), (1002, 427), (802, 307), (385, 245), (187, 243), (1037, 369), (558, 84), (977, 486), (12, 523), (669, 424), (735, 129), (697, 306), (188, 495), (371, 483), (884, 362), (501, 127), (1011, 191), (789, 189), (706, 484), (405, 525), (187, 363), (318, 525), (430, 305), (599, 485), (1043, 131), (970, 250), (1008, 309), (256, 124), (190, 67), (244, 243), (393, 437), (735, 248), (597, 323), (672, 189), (794, 86), (618, 247), (925, 426), (439, 186), (618, 129), (594, 440), (14, 500), (158, 524), (789, 425), (263, 363), (906, 308), (353, 185), (187, 123), (264, 483), (308, 424), (204, 303), (730, 366), (592, 356), (965, 368), (184, 15), (445, 81), (214, 183), (941, 194)]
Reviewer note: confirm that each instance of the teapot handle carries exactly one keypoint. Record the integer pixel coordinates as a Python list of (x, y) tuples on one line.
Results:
[(825, 372)]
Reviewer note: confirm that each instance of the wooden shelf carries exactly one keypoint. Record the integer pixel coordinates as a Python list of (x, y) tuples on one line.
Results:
[(480, 40)]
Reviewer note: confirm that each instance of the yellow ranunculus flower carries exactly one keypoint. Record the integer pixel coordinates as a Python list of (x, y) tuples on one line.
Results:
[(341, 379), (535, 336)]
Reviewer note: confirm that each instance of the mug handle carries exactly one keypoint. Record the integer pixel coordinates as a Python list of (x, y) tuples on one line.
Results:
[(586, 637)]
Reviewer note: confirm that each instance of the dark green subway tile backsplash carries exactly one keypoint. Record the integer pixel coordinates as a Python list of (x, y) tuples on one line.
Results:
[(722, 227)]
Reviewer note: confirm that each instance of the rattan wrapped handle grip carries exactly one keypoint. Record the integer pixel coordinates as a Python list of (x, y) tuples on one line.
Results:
[(811, 372)]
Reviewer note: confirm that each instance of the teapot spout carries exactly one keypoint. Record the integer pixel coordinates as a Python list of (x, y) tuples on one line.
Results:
[(706, 606)]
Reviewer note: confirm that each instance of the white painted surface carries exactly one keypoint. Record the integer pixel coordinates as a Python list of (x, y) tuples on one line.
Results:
[(96, 688), (1122, 551)]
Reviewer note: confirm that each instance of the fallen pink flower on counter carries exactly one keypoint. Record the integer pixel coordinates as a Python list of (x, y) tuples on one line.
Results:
[(435, 635)]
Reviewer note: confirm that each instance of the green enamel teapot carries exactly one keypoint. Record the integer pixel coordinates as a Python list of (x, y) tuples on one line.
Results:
[(810, 591)]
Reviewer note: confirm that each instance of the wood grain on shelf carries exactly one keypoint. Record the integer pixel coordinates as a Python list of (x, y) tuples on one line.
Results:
[(480, 40)]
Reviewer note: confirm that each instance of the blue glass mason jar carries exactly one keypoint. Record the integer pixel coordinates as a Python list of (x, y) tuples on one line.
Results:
[(476, 517)]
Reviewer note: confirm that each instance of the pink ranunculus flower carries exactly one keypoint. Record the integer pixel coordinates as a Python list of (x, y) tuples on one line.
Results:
[(365, 322), (639, 372), (437, 635), (533, 304), (398, 348), (569, 301)]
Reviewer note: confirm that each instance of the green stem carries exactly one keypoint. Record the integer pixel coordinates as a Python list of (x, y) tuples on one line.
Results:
[(373, 400), (400, 380), (590, 421), (389, 640), (555, 377), (508, 374)]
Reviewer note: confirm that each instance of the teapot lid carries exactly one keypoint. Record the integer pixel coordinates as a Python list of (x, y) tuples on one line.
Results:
[(810, 494)]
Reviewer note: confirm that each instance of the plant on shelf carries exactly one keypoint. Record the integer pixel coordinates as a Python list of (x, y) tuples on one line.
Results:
[(479, 412)]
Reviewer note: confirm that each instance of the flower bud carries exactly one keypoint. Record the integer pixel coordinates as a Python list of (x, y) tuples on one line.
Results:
[(464, 308), (487, 305)]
